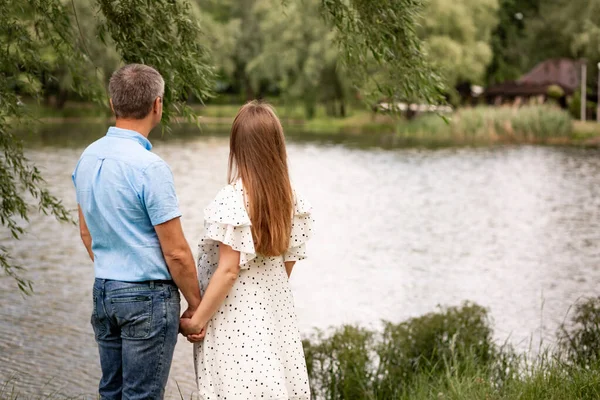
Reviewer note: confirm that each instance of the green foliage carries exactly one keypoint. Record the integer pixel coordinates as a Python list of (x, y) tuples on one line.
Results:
[(565, 28), (532, 31), (44, 43), (340, 366), (447, 355), (163, 36), (353, 363), (433, 344), (457, 37), (575, 106), (272, 47), (580, 339), (512, 55), (380, 47), (555, 92), (26, 30)]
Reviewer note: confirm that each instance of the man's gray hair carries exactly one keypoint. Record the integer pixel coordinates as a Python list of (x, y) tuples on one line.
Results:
[(133, 89)]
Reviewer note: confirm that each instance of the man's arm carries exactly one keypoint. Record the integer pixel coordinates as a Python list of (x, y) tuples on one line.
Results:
[(180, 261), (86, 238)]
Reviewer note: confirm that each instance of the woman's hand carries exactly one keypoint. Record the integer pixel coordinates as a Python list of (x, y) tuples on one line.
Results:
[(197, 337), (218, 288)]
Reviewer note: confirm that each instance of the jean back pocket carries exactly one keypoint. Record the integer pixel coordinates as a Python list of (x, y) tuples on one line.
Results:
[(133, 314)]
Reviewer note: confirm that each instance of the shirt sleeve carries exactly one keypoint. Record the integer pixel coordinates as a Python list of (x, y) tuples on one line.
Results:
[(158, 193), (74, 180)]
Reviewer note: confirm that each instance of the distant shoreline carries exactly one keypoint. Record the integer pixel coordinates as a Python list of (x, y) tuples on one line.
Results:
[(467, 126)]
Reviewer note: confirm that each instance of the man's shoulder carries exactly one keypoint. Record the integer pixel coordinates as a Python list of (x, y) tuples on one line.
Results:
[(150, 160), (131, 154), (93, 147)]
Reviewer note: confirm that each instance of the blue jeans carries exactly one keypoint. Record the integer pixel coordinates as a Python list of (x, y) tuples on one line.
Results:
[(136, 327)]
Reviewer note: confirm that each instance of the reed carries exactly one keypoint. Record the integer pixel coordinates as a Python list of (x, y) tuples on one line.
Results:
[(450, 354), (490, 125)]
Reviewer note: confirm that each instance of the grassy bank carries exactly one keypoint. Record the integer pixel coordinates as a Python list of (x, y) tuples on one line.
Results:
[(586, 133), (467, 126), (450, 354)]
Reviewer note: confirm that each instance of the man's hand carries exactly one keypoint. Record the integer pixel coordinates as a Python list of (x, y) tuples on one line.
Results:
[(189, 313)]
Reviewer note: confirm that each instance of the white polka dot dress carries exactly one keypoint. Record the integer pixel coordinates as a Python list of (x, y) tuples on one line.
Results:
[(252, 348)]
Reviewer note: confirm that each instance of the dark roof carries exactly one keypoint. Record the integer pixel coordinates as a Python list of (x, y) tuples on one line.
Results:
[(563, 72), (514, 88)]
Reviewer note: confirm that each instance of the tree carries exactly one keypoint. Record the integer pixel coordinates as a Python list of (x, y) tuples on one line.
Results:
[(565, 28), (384, 33), (43, 41), (295, 45), (510, 58), (298, 53), (457, 36), (28, 30), (239, 39), (56, 85), (533, 31)]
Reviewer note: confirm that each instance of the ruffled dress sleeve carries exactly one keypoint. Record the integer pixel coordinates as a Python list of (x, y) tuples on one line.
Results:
[(302, 230), (225, 221)]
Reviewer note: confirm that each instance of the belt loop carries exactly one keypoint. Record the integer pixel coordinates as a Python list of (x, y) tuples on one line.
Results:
[(151, 284)]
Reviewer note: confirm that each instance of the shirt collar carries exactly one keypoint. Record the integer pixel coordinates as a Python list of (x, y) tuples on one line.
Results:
[(129, 134)]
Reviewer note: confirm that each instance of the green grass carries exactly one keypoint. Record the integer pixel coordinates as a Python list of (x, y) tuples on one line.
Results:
[(9, 392), (450, 354), (585, 131), (547, 380)]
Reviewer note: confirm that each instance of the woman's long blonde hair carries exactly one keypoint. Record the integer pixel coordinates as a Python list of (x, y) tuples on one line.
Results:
[(257, 155)]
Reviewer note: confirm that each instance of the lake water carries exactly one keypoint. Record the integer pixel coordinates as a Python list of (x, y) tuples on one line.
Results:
[(515, 229)]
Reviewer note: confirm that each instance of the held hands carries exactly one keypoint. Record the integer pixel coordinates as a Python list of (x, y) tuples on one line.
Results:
[(188, 327)]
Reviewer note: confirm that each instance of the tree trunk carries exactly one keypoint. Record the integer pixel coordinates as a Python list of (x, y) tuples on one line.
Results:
[(248, 89), (342, 109), (61, 99)]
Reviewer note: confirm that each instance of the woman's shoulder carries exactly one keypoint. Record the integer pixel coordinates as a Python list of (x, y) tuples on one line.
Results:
[(228, 207)]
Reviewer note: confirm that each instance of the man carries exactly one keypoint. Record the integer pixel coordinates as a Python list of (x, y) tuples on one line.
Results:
[(129, 224)]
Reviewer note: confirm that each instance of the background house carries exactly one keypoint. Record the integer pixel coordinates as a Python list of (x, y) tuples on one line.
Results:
[(537, 84)]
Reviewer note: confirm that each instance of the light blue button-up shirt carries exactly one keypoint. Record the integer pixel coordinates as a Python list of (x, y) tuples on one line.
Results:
[(124, 190)]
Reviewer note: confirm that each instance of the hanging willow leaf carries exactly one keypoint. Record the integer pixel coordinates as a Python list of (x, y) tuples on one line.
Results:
[(380, 47)]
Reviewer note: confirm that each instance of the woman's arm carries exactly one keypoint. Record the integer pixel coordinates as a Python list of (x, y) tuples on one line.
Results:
[(218, 288), (289, 265)]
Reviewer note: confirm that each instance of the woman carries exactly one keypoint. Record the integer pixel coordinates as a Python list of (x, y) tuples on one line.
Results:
[(256, 229)]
